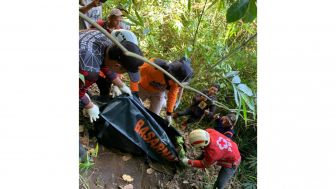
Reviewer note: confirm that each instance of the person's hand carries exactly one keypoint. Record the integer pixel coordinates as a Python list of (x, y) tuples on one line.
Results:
[(92, 112), (216, 116), (206, 112), (115, 91), (203, 98), (185, 161), (169, 119), (126, 89)]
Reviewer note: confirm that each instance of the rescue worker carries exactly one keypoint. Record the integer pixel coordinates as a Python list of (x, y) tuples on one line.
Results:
[(225, 124), (113, 21), (98, 53), (104, 84), (217, 149), (153, 83), (200, 106)]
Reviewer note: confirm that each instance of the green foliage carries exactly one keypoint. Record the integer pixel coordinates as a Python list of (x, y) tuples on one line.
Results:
[(251, 12), (237, 10), (245, 9), (167, 30), (89, 162)]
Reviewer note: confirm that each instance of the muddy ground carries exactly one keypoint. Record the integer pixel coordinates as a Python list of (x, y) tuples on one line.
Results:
[(111, 165)]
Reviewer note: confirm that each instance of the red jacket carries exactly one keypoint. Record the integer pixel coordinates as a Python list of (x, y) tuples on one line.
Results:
[(221, 151)]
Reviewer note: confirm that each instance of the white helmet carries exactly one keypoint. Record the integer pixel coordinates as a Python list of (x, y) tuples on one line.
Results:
[(199, 138), (123, 35)]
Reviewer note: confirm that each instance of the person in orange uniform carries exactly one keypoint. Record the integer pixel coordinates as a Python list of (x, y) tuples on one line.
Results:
[(153, 83)]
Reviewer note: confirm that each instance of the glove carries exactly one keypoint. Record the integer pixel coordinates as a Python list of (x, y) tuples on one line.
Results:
[(169, 119), (93, 113), (185, 161), (115, 91), (216, 116), (126, 89), (177, 104), (206, 112)]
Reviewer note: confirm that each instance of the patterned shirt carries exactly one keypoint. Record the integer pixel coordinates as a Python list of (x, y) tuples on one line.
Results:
[(92, 47)]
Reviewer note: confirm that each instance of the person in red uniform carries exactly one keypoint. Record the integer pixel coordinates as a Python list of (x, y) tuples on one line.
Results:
[(218, 149)]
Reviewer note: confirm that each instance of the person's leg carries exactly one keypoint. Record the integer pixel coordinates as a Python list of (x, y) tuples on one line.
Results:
[(223, 177), (183, 113), (143, 94), (157, 100)]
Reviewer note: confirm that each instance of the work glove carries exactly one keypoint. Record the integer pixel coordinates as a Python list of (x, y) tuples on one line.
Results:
[(206, 112), (93, 113), (169, 119), (185, 161), (126, 90), (115, 91), (216, 116)]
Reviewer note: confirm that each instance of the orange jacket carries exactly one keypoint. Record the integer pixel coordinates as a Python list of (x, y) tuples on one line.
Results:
[(152, 80)]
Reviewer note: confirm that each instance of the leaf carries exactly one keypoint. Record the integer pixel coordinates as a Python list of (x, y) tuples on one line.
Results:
[(231, 74), (150, 171), (245, 89), (251, 12), (96, 150), (236, 79), (81, 77), (248, 101), (236, 97), (189, 5), (244, 112), (126, 157), (237, 10), (146, 31), (127, 178), (128, 186), (139, 18), (133, 20)]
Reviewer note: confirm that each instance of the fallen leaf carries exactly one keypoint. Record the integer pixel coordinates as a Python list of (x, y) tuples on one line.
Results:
[(127, 178), (127, 157), (128, 186), (185, 182), (150, 171)]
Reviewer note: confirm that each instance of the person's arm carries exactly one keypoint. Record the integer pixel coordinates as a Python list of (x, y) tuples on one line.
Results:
[(134, 86), (117, 81), (197, 98), (211, 111), (86, 8), (172, 96), (204, 163), (178, 101), (122, 86), (89, 79)]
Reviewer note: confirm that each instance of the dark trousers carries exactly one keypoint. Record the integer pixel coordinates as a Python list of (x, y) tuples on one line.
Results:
[(223, 177), (104, 86), (192, 117)]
